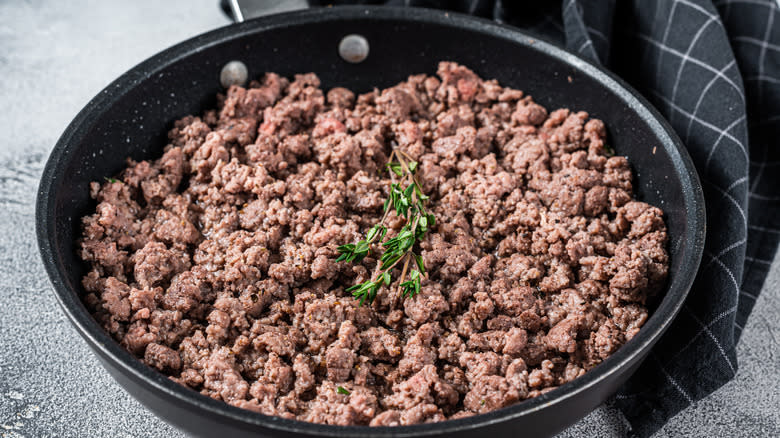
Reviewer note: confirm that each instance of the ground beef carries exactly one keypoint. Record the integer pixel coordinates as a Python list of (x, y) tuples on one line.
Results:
[(216, 264)]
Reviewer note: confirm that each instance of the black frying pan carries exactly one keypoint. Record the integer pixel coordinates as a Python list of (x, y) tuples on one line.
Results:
[(132, 115)]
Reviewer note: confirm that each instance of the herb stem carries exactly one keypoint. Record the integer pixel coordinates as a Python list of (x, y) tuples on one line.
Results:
[(403, 274), (407, 200)]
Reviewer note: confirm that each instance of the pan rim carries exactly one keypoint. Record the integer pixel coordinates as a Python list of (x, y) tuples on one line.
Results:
[(103, 345)]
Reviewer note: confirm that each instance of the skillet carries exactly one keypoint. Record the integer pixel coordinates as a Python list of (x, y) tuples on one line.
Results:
[(131, 116)]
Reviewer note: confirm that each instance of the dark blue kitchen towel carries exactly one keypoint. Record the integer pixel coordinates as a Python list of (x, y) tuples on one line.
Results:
[(713, 69)]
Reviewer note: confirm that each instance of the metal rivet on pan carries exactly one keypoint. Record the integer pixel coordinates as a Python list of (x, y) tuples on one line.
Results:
[(233, 73), (353, 48)]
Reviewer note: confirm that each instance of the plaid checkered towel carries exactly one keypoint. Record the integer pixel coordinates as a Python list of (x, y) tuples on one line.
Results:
[(713, 70)]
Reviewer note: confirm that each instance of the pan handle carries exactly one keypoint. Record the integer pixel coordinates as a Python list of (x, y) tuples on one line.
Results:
[(241, 10)]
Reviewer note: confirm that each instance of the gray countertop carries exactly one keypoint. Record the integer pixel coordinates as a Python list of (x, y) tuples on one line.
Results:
[(56, 55)]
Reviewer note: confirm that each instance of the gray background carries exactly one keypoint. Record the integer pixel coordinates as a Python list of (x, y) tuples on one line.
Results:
[(54, 56)]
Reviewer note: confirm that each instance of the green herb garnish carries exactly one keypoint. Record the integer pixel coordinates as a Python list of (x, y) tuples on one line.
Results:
[(408, 201), (341, 390), (111, 180)]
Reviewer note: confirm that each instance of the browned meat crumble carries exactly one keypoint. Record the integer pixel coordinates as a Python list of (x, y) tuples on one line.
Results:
[(215, 264)]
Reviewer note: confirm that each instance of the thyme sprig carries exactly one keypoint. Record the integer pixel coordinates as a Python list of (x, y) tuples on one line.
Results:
[(408, 201)]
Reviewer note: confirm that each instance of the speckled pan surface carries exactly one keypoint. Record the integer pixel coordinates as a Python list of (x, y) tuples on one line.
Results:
[(131, 116)]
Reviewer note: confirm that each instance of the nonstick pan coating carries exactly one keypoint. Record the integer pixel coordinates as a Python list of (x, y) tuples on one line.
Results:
[(131, 116)]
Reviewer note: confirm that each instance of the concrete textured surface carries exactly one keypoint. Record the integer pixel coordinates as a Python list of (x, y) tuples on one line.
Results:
[(54, 56)]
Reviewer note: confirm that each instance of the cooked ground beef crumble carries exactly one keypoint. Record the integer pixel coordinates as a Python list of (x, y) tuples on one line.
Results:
[(216, 265)]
